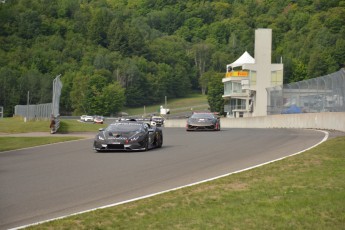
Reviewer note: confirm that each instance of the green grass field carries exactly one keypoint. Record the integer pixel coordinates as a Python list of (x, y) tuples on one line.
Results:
[(17, 125)]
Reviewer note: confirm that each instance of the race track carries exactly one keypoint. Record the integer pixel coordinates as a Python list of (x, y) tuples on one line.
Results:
[(60, 179)]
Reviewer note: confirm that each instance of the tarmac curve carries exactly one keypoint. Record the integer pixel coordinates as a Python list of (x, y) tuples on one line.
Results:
[(53, 181)]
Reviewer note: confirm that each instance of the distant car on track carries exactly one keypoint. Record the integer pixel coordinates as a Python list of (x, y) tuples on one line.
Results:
[(157, 120), (82, 117), (203, 121), (128, 135), (98, 119), (86, 118)]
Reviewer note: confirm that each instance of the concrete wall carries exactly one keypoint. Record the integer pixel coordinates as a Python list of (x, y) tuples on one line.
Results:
[(262, 55), (330, 121)]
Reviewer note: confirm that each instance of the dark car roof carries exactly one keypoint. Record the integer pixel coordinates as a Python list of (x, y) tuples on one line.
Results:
[(200, 115), (125, 126), (129, 122)]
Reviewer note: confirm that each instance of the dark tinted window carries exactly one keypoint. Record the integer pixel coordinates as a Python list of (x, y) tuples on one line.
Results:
[(124, 127), (202, 115)]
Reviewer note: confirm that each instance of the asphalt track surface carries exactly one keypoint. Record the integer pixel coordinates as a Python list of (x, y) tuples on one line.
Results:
[(41, 183)]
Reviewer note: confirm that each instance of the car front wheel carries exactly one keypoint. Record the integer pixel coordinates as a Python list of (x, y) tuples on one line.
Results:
[(146, 144), (159, 140)]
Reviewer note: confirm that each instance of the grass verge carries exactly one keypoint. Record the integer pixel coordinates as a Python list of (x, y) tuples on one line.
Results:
[(175, 105), (17, 125), (70, 126), (302, 192), (11, 143)]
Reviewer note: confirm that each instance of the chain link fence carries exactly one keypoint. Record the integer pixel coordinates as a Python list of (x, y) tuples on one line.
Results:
[(34, 112), (57, 86), (322, 94), (44, 111)]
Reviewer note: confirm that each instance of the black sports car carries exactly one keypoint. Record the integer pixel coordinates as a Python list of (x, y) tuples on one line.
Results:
[(128, 135), (203, 121)]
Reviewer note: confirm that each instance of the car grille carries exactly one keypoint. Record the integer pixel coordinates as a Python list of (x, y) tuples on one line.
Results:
[(115, 146), (209, 127)]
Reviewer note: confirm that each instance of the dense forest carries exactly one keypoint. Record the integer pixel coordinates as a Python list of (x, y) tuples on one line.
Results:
[(115, 53)]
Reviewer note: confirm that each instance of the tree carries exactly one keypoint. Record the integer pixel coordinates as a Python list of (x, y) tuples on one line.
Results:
[(167, 20), (111, 100), (126, 72), (78, 94), (156, 48), (180, 81), (319, 63), (117, 36), (299, 71), (160, 80), (93, 95), (215, 92), (138, 89), (28, 24), (191, 30), (204, 79), (219, 60), (138, 94), (339, 53), (202, 58), (9, 96), (66, 8), (65, 99), (98, 26)]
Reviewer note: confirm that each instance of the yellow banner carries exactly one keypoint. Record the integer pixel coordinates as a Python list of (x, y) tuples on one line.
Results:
[(237, 74)]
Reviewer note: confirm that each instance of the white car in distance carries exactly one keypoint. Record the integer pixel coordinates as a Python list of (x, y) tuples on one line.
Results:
[(86, 118)]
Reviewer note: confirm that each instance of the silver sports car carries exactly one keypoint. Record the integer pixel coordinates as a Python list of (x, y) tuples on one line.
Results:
[(127, 136), (203, 121)]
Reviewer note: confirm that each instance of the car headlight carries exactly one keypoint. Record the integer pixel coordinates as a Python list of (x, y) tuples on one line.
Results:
[(135, 138), (100, 138)]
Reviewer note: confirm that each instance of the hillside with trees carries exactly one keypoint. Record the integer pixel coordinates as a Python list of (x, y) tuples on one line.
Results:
[(119, 53)]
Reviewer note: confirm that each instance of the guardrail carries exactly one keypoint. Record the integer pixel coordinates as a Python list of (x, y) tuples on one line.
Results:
[(326, 120)]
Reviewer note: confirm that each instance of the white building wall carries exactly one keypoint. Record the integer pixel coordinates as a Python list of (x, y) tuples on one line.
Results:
[(260, 76), (263, 68), (263, 47)]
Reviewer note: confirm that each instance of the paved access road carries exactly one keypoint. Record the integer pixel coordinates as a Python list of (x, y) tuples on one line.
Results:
[(46, 182)]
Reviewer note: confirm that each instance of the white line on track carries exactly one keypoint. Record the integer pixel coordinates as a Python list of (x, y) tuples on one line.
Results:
[(173, 189)]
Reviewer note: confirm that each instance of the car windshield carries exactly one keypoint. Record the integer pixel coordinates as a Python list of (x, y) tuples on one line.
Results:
[(124, 127), (202, 115)]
